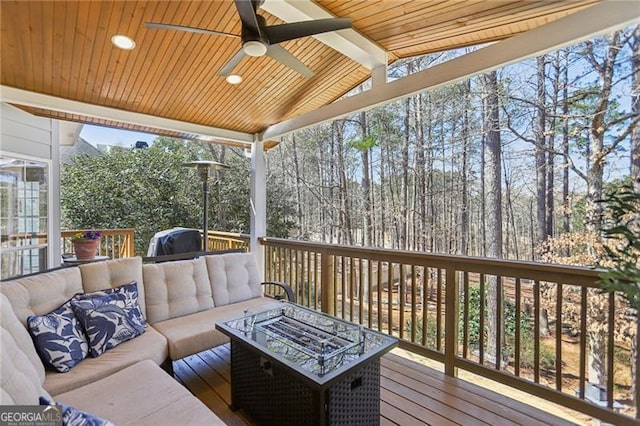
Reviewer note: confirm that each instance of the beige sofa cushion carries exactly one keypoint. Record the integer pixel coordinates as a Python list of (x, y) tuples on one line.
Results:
[(141, 394), (174, 289), (150, 345), (114, 273), (191, 334), (41, 294), (21, 371), (234, 277)]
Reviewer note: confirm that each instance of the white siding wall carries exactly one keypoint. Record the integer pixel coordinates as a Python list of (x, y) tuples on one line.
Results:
[(27, 136)]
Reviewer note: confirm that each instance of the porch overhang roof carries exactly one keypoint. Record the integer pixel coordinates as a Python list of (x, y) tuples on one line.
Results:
[(57, 59)]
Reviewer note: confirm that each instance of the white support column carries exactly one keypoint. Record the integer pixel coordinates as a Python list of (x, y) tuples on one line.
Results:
[(55, 255), (379, 76), (258, 203)]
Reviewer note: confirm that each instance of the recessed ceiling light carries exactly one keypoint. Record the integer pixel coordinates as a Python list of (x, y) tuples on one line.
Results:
[(123, 42), (234, 79)]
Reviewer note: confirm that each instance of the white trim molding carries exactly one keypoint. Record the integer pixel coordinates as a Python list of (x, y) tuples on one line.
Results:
[(38, 100)]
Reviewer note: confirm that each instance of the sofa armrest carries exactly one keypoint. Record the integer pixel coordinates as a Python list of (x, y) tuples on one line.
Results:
[(291, 296)]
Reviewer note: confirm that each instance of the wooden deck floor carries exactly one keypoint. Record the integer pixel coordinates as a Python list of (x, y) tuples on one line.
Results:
[(410, 394)]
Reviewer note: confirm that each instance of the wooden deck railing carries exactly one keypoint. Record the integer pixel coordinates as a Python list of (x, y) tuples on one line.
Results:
[(432, 303), (114, 243), (117, 243), (219, 241)]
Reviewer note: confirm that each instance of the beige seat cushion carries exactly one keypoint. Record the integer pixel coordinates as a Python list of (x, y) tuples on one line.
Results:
[(141, 394), (194, 333), (234, 277), (175, 289), (150, 345), (21, 371), (114, 273)]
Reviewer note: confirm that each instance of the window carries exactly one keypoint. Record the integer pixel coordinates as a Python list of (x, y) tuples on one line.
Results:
[(23, 216)]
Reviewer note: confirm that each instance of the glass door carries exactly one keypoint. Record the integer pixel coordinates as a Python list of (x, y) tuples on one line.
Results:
[(24, 215)]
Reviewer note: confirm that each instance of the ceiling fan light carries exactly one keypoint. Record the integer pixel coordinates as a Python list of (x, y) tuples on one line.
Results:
[(254, 48), (234, 79), (123, 42)]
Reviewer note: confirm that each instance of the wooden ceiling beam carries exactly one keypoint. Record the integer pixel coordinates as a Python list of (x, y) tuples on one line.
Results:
[(601, 18), (23, 97), (348, 42)]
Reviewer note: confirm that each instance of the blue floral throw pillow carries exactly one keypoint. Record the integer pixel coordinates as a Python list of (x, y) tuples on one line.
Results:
[(59, 338), (107, 321), (130, 293), (74, 417)]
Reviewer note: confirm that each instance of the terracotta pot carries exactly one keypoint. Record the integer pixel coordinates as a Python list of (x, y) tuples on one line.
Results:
[(86, 249)]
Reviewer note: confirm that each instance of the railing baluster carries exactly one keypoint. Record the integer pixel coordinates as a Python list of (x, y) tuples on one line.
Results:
[(390, 298), (279, 263), (481, 327), (439, 310), (370, 292), (360, 292), (414, 303), (351, 285), (499, 322), (517, 336), (425, 304), (290, 265), (583, 341), (636, 379), (379, 298), (465, 321), (336, 268), (316, 280), (536, 332), (611, 348), (295, 272), (268, 268), (343, 282), (559, 337), (401, 296), (451, 323)]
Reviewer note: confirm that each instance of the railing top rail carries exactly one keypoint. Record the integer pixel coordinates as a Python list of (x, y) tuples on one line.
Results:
[(110, 231), (237, 235), (566, 274)]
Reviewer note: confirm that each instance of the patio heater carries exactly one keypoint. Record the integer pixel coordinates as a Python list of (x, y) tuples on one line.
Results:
[(204, 167)]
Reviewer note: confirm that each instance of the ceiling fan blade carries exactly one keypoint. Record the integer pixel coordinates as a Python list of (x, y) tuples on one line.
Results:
[(231, 63), (160, 26), (247, 12), (279, 33), (281, 55)]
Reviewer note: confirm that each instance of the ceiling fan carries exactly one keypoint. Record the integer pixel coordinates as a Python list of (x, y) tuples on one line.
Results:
[(259, 39)]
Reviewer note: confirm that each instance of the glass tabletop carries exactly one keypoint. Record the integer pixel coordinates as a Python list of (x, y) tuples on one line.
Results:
[(312, 341)]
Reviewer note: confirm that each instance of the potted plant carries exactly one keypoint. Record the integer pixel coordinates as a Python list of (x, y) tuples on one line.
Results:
[(86, 244)]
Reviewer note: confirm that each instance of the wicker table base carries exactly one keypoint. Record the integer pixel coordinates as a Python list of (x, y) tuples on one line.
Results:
[(273, 395)]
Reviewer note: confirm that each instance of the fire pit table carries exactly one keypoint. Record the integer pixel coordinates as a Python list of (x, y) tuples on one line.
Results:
[(294, 366)]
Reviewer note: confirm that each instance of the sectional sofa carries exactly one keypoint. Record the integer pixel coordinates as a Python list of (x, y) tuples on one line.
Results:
[(156, 313)]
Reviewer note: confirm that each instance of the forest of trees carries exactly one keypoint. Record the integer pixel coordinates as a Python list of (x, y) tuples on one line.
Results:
[(506, 164)]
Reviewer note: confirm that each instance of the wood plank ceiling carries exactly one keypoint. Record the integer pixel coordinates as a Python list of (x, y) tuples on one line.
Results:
[(63, 49)]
